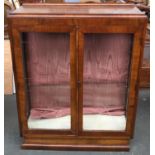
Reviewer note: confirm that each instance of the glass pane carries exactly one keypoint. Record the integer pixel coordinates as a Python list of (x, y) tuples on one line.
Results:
[(105, 83), (47, 66)]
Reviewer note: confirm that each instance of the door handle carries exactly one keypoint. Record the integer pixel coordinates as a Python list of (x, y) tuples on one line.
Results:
[(78, 82)]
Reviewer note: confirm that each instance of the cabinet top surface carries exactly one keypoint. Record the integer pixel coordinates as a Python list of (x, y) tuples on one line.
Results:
[(77, 9)]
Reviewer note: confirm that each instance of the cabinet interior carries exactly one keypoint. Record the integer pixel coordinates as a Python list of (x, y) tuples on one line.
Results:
[(106, 69)]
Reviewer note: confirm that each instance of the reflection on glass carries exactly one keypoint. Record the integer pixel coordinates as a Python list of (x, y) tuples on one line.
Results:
[(48, 74), (105, 86)]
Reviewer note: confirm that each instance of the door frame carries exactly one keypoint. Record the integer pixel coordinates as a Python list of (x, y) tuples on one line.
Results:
[(41, 25), (114, 25)]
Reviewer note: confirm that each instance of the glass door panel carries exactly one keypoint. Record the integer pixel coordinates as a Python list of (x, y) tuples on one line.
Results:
[(47, 73), (105, 81)]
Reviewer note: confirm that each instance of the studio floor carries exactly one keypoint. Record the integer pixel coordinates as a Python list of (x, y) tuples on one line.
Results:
[(139, 145)]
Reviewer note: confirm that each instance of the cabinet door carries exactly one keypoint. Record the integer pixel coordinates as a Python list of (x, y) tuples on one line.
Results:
[(46, 80), (109, 58)]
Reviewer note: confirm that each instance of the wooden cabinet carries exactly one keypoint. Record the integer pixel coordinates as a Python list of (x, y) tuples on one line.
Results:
[(76, 73)]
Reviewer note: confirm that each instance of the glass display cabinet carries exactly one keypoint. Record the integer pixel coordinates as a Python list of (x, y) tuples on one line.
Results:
[(76, 71)]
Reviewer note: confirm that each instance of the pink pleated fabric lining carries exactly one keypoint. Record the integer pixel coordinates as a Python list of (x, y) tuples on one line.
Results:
[(41, 113), (96, 101), (106, 57), (106, 67)]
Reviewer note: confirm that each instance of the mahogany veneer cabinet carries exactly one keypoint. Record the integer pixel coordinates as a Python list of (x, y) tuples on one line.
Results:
[(76, 71)]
